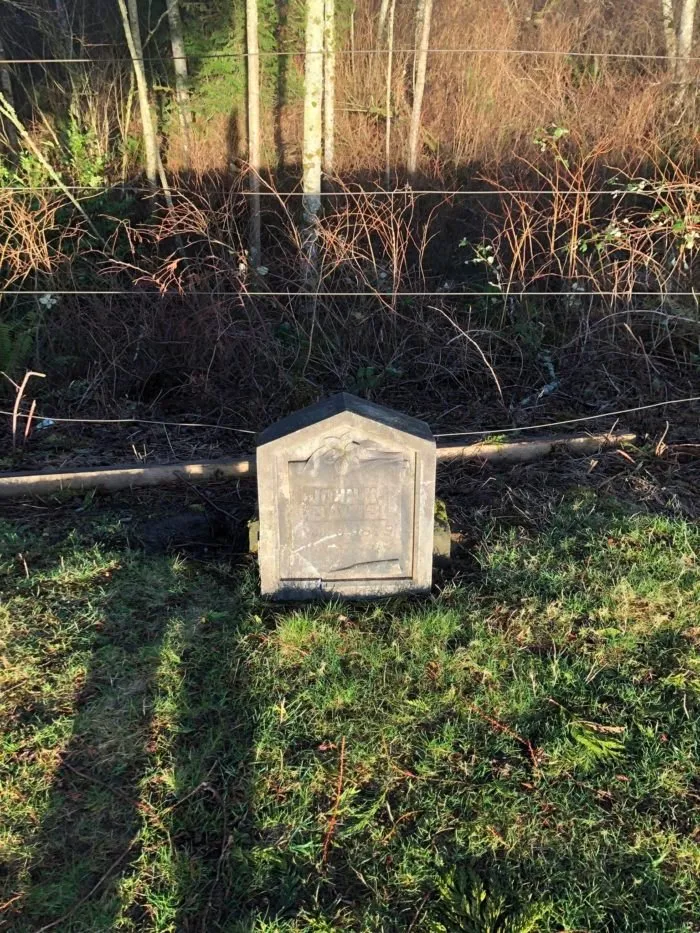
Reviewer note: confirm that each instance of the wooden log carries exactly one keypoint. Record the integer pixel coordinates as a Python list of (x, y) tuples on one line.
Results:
[(525, 451), (14, 485), (123, 477)]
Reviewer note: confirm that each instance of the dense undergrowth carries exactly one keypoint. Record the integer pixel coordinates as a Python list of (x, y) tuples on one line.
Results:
[(191, 324), (607, 140)]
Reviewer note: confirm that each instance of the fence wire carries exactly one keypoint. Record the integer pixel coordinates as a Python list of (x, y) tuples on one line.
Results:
[(508, 429), (243, 293), (386, 193), (304, 53)]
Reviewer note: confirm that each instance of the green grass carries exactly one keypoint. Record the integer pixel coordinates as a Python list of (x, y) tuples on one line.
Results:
[(516, 753)]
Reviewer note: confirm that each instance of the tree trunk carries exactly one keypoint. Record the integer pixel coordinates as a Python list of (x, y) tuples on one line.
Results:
[(669, 25), (182, 93), (417, 33), (383, 15), (313, 129), (389, 78), (329, 87), (9, 129), (684, 47), (65, 36), (421, 65), (132, 33), (253, 128)]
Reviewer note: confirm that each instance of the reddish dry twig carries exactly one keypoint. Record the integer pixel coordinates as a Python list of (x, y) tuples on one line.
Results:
[(526, 743), (19, 392), (336, 805)]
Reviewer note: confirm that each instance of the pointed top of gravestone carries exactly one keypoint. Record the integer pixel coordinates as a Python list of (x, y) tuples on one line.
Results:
[(344, 402)]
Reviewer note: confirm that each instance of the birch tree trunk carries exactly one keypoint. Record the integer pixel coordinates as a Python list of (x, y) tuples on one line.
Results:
[(253, 128), (684, 47), (132, 33), (417, 33), (329, 87), (182, 93), (421, 65), (383, 14), (389, 79), (669, 24), (313, 129)]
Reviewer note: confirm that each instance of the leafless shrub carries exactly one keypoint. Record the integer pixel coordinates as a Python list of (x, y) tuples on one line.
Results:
[(32, 242)]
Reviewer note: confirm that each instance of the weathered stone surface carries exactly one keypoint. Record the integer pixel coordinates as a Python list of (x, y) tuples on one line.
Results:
[(253, 535), (442, 535), (346, 493)]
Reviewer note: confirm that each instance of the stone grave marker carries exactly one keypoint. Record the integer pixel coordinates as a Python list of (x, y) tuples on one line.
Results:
[(346, 494)]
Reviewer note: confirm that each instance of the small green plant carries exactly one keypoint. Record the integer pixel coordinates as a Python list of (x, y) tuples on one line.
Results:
[(612, 235), (485, 255), (370, 377), (15, 347), (595, 743), (27, 173), (85, 161), (548, 139), (466, 905), (366, 377)]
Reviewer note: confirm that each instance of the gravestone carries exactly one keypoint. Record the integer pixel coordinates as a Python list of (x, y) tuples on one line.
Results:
[(346, 495)]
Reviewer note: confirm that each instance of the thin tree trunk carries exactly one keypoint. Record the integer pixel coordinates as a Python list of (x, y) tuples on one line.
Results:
[(684, 47), (313, 130), (9, 128), (421, 65), (383, 14), (132, 33), (127, 123), (669, 25), (182, 94), (389, 79), (417, 32), (253, 128), (66, 31), (352, 39), (329, 87)]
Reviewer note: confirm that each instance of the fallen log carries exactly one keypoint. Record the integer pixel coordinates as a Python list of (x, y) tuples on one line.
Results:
[(14, 485), (526, 450)]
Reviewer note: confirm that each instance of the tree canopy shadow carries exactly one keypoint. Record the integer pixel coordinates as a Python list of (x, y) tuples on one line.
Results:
[(158, 762)]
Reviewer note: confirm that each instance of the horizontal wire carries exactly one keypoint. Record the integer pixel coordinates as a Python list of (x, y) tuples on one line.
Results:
[(483, 431), (348, 294), (556, 424), (166, 424), (275, 53), (399, 192)]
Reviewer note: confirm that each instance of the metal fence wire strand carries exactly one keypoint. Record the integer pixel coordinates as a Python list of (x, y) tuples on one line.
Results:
[(386, 296), (277, 53), (508, 429), (382, 193)]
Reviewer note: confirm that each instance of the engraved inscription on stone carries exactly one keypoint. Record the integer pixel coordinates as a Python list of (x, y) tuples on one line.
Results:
[(351, 512), (346, 493)]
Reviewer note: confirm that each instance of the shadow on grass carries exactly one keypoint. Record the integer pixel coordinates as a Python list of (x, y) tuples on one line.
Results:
[(148, 820), (531, 732)]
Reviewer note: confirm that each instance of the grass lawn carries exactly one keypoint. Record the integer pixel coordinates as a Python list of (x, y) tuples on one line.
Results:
[(517, 752)]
